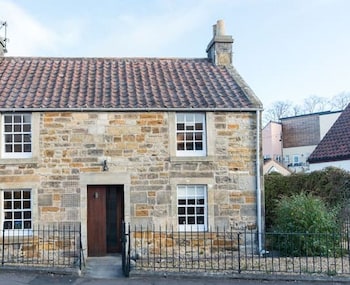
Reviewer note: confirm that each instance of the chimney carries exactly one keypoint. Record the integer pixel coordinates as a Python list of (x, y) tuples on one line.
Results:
[(219, 49)]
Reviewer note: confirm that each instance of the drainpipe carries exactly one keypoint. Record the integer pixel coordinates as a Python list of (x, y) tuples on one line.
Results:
[(258, 183)]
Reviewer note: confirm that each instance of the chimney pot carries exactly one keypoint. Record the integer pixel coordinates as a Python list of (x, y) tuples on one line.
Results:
[(220, 28)]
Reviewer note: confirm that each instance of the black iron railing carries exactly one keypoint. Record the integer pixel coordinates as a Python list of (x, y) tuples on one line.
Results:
[(43, 246), (229, 251)]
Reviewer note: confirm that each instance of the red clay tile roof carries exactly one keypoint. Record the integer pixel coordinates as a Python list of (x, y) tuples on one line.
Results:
[(120, 83), (336, 143)]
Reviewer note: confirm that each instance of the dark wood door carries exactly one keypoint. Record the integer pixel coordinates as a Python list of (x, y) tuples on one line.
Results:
[(105, 216), (96, 221)]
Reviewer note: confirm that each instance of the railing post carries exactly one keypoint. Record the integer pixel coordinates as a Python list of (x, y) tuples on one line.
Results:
[(239, 251), (3, 245), (125, 255)]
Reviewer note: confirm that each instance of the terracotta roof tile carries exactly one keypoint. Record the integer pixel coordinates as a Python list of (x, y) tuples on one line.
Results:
[(336, 143), (133, 83)]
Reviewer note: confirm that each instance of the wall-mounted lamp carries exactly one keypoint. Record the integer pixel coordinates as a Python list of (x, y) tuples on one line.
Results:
[(104, 165)]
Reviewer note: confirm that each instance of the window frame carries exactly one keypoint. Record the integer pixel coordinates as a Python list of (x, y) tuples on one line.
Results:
[(22, 209), (191, 133), (195, 215), (23, 133)]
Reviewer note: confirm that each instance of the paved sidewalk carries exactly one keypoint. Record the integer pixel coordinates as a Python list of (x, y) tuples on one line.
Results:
[(30, 278)]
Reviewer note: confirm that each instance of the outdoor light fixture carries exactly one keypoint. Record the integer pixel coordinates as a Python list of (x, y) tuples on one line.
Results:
[(104, 165)]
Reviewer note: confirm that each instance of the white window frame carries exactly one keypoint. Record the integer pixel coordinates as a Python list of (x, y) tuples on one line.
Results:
[(8, 214), (196, 193), (18, 131), (190, 120)]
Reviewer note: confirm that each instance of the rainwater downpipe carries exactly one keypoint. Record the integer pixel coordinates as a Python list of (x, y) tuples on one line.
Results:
[(258, 183)]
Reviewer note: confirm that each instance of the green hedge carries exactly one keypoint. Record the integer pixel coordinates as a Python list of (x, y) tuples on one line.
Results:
[(331, 185)]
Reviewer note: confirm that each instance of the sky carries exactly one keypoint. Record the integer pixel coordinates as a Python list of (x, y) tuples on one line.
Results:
[(286, 50)]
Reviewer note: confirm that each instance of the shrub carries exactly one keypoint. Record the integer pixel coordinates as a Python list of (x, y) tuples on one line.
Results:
[(331, 185), (306, 227)]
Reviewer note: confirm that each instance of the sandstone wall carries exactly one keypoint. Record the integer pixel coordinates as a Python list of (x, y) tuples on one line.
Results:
[(139, 146)]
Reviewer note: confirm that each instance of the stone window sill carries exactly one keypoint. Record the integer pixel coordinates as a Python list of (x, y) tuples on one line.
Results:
[(191, 158), (16, 161)]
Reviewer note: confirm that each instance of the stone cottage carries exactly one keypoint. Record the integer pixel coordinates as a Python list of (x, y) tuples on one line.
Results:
[(156, 141)]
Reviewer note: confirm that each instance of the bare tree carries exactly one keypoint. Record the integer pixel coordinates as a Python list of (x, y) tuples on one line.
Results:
[(278, 110), (340, 101), (297, 110), (315, 104)]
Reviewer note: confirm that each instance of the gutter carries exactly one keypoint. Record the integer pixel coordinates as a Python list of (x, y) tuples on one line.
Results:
[(258, 186), (163, 109)]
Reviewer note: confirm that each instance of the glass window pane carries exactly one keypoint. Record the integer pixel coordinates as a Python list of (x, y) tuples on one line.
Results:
[(200, 201), (8, 148), (17, 128), (182, 202), (191, 201), (182, 220), (190, 118), (27, 148), (17, 119), (181, 210), (7, 195), (190, 211), (27, 224), (200, 210), (180, 136), (199, 117), (27, 138), (17, 138), (8, 128), (189, 127), (8, 119), (8, 225), (17, 194), (17, 215), (8, 138), (180, 118), (199, 145), (8, 215), (17, 205), (26, 204), (200, 220), (198, 136), (191, 220), (189, 146), (191, 191), (189, 136), (27, 119), (27, 215), (180, 127), (27, 128), (18, 225), (17, 148), (199, 126), (26, 194), (7, 205), (180, 146)]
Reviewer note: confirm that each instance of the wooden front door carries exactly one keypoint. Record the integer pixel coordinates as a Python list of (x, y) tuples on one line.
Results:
[(104, 219)]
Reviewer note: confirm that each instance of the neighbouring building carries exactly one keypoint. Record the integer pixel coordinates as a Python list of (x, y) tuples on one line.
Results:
[(293, 139), (151, 141), (334, 148)]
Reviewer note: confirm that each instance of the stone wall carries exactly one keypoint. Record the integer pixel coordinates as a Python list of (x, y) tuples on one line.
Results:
[(139, 145)]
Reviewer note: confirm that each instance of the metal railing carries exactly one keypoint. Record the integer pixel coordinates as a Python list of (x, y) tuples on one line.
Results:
[(235, 252), (42, 246)]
